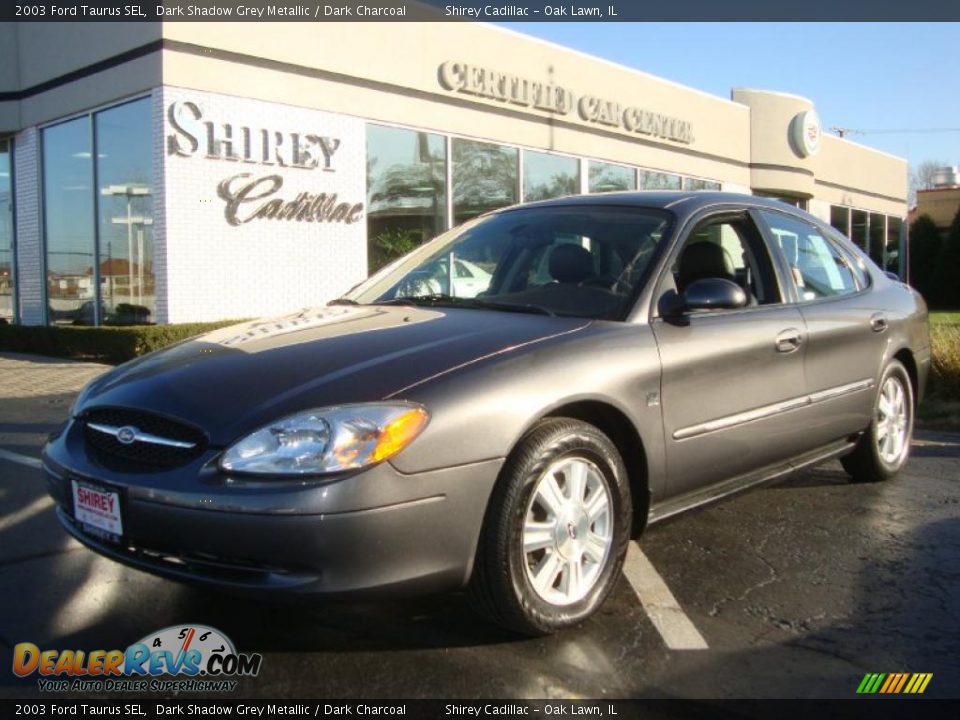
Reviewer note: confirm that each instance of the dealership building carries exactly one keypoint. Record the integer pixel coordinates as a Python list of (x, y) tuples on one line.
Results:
[(172, 172)]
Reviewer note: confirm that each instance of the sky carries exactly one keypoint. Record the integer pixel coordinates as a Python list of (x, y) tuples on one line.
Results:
[(863, 76)]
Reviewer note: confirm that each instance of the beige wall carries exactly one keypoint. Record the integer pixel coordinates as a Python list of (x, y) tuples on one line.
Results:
[(389, 73), (403, 66), (34, 53)]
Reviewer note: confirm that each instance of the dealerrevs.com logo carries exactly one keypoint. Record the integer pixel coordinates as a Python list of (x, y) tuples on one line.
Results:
[(203, 654)]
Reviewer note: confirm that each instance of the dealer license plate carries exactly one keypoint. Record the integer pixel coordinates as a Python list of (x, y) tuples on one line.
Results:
[(97, 510)]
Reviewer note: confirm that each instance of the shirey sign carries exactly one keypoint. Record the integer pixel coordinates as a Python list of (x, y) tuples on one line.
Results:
[(263, 205), (248, 195)]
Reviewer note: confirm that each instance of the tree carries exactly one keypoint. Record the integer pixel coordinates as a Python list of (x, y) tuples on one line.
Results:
[(947, 276), (924, 255), (921, 177)]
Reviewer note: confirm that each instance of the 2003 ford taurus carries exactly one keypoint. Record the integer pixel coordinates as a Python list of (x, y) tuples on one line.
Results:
[(630, 356)]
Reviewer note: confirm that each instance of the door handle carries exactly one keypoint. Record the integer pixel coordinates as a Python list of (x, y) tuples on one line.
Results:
[(789, 340), (878, 322)]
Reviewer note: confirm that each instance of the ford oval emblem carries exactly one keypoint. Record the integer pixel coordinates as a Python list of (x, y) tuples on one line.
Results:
[(127, 434)]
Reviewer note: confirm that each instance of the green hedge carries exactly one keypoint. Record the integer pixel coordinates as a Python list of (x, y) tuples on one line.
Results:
[(110, 344)]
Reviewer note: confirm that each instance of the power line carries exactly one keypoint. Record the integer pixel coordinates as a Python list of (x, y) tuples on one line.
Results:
[(843, 131)]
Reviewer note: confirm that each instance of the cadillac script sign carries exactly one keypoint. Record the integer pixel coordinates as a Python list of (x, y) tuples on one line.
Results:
[(248, 196)]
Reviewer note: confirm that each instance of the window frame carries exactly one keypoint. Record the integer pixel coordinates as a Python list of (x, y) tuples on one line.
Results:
[(90, 114), (687, 230)]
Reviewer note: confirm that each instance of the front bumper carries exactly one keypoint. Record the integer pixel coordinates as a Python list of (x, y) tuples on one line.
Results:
[(373, 531)]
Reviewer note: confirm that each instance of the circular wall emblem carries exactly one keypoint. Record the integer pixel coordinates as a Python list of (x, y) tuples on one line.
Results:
[(127, 434), (806, 133)]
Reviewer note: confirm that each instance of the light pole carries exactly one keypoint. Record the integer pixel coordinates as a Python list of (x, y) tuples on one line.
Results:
[(130, 192)]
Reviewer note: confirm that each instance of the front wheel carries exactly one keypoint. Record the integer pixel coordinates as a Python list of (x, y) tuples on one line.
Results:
[(556, 530), (883, 449)]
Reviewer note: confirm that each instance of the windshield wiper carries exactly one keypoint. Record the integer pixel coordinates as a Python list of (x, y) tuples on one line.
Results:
[(439, 299)]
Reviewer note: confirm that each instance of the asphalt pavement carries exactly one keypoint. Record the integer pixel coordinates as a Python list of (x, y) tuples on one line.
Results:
[(796, 590)]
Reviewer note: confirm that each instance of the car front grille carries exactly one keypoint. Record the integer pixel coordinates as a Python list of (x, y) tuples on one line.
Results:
[(158, 441)]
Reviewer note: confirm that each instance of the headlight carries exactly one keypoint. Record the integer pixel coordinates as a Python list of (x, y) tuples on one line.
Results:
[(327, 440)]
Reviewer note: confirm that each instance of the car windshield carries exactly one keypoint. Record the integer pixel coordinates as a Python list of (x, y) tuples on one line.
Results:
[(574, 260)]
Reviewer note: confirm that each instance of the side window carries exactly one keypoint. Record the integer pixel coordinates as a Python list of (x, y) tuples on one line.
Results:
[(818, 267), (731, 249)]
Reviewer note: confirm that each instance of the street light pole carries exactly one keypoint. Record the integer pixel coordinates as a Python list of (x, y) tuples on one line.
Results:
[(131, 191)]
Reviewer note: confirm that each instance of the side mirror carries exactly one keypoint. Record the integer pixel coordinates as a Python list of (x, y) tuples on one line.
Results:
[(892, 276), (714, 294)]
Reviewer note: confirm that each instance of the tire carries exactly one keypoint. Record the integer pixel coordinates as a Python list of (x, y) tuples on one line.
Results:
[(884, 447), (565, 575)]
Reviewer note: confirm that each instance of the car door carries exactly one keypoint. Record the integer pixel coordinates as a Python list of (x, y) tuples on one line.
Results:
[(846, 334), (729, 377)]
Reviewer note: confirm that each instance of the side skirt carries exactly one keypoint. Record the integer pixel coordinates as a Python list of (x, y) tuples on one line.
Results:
[(726, 488)]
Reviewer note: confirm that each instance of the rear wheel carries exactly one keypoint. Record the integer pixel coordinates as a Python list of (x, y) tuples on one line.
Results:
[(884, 447), (556, 530)]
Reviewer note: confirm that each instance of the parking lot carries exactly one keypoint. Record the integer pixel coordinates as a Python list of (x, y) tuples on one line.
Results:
[(796, 589)]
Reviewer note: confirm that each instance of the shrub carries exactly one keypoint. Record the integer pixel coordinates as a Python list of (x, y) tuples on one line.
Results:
[(924, 253), (111, 344), (946, 278), (945, 362)]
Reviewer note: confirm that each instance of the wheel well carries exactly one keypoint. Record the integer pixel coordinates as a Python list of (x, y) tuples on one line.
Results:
[(906, 357), (622, 433)]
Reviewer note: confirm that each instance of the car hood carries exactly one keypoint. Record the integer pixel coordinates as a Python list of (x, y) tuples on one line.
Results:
[(233, 380)]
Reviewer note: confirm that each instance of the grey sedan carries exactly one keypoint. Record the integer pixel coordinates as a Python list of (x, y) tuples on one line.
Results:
[(629, 357)]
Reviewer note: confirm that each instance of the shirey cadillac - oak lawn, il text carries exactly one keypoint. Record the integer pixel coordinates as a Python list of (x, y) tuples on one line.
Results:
[(502, 409)]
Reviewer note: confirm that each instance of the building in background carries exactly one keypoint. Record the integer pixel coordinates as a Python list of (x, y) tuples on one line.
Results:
[(173, 172), (942, 201)]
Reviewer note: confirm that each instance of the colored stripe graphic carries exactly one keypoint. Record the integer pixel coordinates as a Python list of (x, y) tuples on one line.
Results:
[(894, 683)]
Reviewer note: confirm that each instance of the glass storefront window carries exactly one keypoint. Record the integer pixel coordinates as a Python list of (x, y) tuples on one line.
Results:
[(878, 237), (858, 228), (548, 176), (69, 222), (607, 177), (893, 252), (840, 219), (125, 217), (406, 191), (650, 180), (697, 184), (484, 178), (8, 272)]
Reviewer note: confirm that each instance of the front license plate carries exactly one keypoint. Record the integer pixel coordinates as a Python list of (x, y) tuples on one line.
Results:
[(98, 510)]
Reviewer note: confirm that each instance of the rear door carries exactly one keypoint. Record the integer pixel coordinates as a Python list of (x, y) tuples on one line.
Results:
[(846, 334), (730, 377)]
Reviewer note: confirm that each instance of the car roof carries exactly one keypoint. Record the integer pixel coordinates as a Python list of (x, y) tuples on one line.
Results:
[(680, 201)]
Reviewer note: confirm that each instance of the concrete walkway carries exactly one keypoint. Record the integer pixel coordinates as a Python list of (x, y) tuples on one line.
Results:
[(35, 395)]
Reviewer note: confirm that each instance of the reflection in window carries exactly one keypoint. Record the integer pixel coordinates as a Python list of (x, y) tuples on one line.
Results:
[(658, 181), (606, 177), (406, 191), (698, 184), (818, 268), (878, 237), (549, 176), (858, 228), (892, 256), (484, 178), (125, 222), (68, 222), (7, 269), (840, 219)]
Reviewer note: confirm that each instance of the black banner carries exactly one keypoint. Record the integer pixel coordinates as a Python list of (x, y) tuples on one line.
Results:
[(469, 10), (187, 706)]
